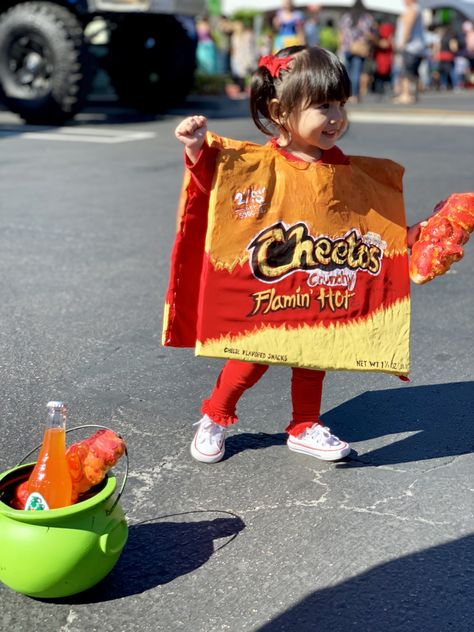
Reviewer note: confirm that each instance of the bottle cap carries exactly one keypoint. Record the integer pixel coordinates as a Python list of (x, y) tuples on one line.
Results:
[(57, 405)]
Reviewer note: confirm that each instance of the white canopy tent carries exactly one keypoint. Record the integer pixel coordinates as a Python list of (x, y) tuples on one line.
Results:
[(387, 6)]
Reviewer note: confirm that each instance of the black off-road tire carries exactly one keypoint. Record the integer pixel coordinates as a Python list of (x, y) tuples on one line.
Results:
[(45, 67), (151, 62)]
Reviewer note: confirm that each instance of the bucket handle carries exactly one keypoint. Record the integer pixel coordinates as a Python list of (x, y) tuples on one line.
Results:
[(127, 465)]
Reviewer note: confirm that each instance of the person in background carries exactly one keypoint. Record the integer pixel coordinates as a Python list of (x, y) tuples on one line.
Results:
[(224, 34), (265, 43), (312, 26), (358, 33), (383, 58), (460, 72), (206, 52), (243, 59), (464, 60), (468, 43), (411, 45), (328, 36), (428, 71), (445, 54), (289, 26), (444, 57)]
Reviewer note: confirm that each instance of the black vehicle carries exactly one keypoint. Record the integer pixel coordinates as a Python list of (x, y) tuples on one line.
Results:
[(48, 58)]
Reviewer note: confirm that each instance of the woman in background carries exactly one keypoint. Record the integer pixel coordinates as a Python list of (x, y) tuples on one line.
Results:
[(358, 32), (410, 44), (289, 26)]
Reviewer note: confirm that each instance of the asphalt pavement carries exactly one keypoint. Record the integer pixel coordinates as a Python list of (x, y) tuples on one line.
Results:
[(266, 540)]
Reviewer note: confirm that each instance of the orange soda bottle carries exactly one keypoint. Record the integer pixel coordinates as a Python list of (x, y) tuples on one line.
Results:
[(50, 485)]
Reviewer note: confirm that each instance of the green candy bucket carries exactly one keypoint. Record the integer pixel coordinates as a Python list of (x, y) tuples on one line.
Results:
[(59, 552)]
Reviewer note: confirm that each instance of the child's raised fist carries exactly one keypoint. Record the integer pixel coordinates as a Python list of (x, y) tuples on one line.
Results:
[(192, 132)]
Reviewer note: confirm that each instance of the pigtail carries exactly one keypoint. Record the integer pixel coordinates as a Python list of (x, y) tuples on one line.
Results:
[(264, 88), (262, 91)]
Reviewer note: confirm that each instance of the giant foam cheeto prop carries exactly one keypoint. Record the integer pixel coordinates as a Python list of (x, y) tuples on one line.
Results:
[(294, 263), (441, 240), (89, 460)]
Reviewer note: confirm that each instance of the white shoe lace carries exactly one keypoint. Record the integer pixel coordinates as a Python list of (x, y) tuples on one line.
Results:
[(209, 432), (321, 435)]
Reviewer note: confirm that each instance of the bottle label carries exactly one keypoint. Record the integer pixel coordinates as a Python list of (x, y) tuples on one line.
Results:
[(36, 502)]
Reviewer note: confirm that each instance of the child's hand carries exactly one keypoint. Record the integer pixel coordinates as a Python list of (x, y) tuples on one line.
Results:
[(413, 233), (192, 132)]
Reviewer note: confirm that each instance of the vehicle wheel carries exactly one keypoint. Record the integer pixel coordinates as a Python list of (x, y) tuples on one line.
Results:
[(151, 62), (45, 67)]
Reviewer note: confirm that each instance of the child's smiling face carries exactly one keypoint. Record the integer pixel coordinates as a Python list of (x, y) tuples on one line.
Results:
[(316, 127)]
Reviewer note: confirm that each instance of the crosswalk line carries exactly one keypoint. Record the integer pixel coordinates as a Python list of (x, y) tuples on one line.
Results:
[(76, 134)]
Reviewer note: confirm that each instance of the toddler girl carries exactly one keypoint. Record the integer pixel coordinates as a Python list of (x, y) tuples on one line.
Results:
[(298, 98)]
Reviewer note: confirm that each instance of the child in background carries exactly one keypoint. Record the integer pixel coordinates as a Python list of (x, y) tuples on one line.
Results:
[(383, 57), (206, 51), (301, 92), (329, 39), (243, 57), (289, 26)]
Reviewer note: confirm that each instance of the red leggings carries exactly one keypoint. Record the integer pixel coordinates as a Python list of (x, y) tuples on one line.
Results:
[(237, 376)]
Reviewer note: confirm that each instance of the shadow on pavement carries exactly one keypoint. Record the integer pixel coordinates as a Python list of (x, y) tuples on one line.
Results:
[(251, 441), (8, 130), (216, 107), (110, 112), (439, 418), (428, 591), (156, 553), (100, 114)]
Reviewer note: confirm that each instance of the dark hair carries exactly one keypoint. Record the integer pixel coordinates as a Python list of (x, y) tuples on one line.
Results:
[(357, 11), (315, 76)]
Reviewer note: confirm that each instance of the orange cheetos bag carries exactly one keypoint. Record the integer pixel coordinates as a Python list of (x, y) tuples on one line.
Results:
[(296, 263)]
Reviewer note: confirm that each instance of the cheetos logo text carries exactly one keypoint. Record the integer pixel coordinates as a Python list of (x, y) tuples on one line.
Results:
[(278, 251)]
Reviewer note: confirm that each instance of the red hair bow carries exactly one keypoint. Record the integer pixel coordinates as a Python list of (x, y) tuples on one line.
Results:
[(275, 64)]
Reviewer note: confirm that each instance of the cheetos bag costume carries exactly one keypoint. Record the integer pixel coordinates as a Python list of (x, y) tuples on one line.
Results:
[(295, 263)]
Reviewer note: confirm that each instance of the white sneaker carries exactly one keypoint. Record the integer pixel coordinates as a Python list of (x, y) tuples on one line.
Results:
[(318, 441), (208, 445)]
